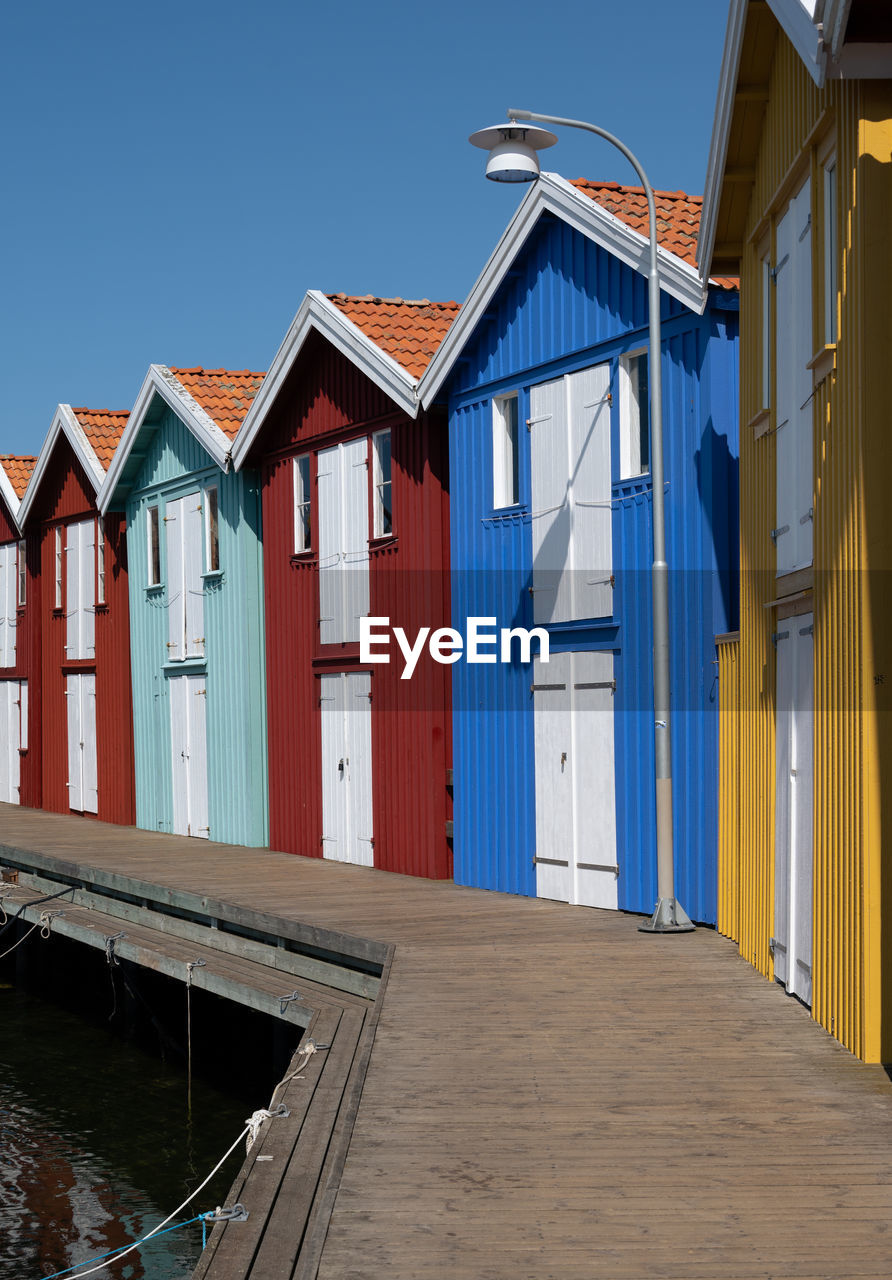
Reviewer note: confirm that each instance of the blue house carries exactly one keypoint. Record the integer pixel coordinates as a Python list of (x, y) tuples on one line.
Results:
[(196, 606), (545, 371)]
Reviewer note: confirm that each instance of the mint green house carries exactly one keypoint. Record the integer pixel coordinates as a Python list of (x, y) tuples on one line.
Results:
[(196, 606)]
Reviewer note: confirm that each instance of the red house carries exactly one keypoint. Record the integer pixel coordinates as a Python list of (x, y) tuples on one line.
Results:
[(77, 586), (19, 642), (355, 522)]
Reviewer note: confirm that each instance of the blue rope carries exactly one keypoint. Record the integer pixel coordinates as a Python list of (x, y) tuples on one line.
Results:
[(154, 1236)]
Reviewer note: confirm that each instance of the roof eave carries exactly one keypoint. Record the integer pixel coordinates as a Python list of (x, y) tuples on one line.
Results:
[(161, 382), (721, 130), (10, 497), (65, 423), (554, 194), (317, 313)]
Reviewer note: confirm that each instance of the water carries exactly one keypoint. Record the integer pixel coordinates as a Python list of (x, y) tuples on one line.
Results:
[(96, 1145)]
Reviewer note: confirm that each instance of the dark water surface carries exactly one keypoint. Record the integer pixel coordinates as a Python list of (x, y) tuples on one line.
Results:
[(96, 1147)]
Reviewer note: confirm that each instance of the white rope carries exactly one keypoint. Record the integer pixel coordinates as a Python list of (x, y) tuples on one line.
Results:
[(256, 1119), (155, 1230), (22, 939)]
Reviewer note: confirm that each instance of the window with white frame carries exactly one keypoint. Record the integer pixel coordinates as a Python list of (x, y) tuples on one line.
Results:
[(505, 451), (211, 530), (22, 574), (634, 434), (153, 546), (100, 561), (303, 529), (58, 568), (383, 510), (831, 275)]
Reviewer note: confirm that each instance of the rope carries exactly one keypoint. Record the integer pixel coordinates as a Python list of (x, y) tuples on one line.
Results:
[(99, 1256), (190, 965), (306, 1053), (157, 1230), (22, 939), (35, 902), (256, 1119), (110, 947)]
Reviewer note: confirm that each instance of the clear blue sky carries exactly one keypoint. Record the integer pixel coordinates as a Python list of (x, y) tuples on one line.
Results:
[(177, 175)]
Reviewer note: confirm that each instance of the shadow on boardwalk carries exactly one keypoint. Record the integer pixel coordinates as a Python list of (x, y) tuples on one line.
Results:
[(552, 1094)]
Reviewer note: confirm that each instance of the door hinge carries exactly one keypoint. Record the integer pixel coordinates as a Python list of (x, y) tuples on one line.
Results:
[(776, 533)]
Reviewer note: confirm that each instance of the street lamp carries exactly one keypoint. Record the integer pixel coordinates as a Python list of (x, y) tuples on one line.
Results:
[(512, 151)]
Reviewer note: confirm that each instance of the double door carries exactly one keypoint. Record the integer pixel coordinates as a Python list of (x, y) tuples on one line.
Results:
[(575, 783), (188, 752), (794, 822), (83, 781), (14, 731), (347, 818)]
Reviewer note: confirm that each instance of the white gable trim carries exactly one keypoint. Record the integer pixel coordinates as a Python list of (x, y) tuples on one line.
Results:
[(554, 194), (721, 128), (64, 423), (10, 497), (316, 312), (161, 382), (803, 33)]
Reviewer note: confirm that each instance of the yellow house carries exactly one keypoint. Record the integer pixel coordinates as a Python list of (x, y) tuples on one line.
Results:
[(799, 204)]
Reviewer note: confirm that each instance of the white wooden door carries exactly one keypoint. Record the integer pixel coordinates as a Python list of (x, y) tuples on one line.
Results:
[(83, 778), (8, 598), (80, 590), (571, 497), (11, 718), (346, 727), (795, 412), (576, 859), (794, 823), (343, 501), (188, 752), (185, 585)]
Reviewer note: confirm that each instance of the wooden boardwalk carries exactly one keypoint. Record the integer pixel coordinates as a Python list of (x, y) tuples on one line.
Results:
[(551, 1094)]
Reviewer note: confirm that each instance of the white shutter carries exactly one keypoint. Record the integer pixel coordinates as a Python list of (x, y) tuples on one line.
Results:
[(176, 579), (328, 490), (192, 570), (591, 535), (7, 604), (87, 589), (551, 515), (75, 755), (355, 560), (335, 805), (554, 777), (803, 402), (72, 594), (795, 412), (10, 742), (23, 714), (89, 776)]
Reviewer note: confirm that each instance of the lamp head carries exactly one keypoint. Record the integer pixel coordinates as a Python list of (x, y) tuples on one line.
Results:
[(512, 150)]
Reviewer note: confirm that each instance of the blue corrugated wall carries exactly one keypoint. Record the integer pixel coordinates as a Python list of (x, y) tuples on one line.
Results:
[(567, 304), (176, 464)]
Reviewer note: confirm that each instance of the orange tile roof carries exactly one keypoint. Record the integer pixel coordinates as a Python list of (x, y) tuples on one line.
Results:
[(18, 468), (678, 216), (408, 331), (224, 394), (103, 428)]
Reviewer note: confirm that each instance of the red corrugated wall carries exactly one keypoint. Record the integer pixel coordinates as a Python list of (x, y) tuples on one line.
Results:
[(67, 495), (326, 399)]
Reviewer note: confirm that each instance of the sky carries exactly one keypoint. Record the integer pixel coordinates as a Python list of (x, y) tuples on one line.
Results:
[(177, 175)]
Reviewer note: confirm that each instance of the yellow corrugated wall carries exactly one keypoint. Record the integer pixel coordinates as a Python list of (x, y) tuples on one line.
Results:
[(851, 872)]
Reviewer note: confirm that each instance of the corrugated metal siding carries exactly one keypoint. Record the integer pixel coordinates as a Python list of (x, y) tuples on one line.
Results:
[(729, 878), (175, 465), (66, 495), (562, 293), (849, 953), (27, 661), (326, 399)]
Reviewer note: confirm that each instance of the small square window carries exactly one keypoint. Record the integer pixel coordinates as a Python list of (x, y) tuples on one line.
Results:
[(211, 531), (505, 452), (303, 530), (383, 513), (154, 547), (634, 415)]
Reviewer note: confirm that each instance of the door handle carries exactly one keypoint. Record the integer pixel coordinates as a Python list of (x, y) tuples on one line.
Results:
[(563, 760), (341, 766)]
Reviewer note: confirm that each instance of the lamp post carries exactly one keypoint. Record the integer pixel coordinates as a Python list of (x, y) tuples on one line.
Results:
[(513, 147)]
